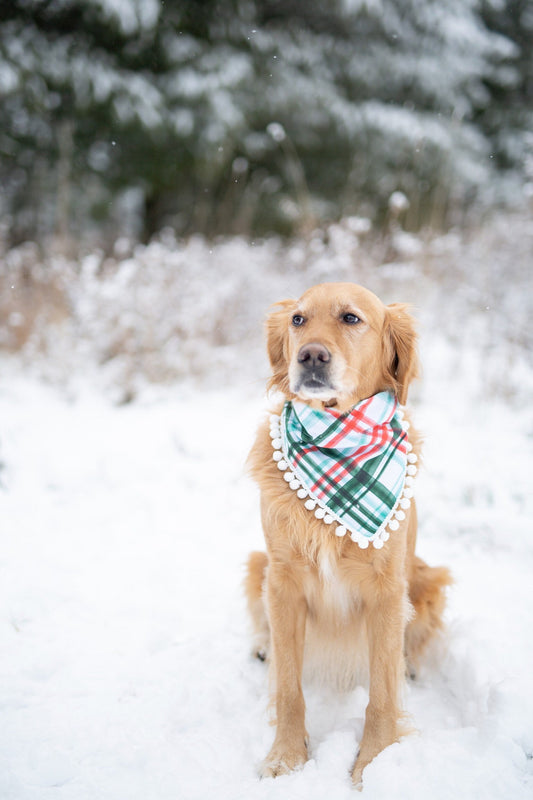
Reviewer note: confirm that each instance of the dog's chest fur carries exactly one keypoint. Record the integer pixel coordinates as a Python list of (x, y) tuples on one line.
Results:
[(333, 570), (338, 598), (331, 589)]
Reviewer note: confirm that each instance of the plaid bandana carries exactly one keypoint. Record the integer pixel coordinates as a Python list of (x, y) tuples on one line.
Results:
[(354, 468)]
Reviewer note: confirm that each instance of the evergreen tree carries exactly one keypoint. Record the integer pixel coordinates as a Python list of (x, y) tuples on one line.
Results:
[(243, 115), (508, 118)]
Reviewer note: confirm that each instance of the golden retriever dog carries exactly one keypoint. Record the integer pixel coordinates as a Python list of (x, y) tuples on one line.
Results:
[(320, 603)]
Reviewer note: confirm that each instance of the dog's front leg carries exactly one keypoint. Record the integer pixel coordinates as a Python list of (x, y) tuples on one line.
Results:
[(287, 609), (386, 624)]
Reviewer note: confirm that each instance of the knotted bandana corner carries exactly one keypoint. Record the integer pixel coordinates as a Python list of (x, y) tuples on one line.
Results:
[(354, 468)]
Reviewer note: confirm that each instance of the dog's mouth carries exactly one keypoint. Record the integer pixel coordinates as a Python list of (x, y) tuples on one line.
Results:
[(314, 384)]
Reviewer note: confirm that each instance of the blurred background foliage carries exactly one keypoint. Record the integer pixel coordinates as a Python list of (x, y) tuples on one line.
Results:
[(122, 117)]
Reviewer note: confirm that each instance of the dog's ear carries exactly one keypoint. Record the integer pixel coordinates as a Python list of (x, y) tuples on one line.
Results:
[(276, 332), (400, 350)]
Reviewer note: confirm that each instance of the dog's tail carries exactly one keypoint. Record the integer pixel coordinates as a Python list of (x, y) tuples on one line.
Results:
[(427, 594)]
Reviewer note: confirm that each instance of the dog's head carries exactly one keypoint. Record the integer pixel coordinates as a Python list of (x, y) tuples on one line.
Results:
[(339, 344)]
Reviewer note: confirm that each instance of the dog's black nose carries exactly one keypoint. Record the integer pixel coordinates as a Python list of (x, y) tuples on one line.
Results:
[(313, 355)]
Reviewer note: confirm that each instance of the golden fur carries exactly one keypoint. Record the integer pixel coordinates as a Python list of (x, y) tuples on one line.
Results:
[(313, 596)]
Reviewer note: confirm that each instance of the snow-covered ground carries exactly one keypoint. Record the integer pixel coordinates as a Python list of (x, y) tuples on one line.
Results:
[(125, 668), (125, 671)]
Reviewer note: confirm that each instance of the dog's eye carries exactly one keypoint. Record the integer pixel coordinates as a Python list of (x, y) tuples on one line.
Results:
[(351, 319), (298, 320)]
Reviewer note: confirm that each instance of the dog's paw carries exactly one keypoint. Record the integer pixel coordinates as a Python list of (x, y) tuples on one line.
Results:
[(261, 647), (410, 671), (357, 778), (357, 772), (261, 653), (281, 761)]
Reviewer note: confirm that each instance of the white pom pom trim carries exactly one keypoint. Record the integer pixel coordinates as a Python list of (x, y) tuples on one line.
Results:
[(320, 509)]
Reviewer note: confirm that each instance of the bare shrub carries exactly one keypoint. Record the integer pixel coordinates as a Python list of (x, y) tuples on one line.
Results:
[(177, 309)]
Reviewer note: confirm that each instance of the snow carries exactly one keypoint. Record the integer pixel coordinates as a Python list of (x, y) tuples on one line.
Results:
[(126, 668)]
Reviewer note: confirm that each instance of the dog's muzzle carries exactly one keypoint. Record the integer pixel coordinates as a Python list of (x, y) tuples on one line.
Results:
[(314, 363)]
